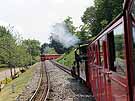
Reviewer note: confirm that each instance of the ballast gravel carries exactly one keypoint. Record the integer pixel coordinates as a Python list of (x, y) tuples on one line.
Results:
[(63, 87), (31, 86)]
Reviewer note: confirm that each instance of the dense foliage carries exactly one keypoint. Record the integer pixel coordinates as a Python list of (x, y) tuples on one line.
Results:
[(32, 47), (14, 52), (98, 16), (59, 48), (47, 48), (44, 48)]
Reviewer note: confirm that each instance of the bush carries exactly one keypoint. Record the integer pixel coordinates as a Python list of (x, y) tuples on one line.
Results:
[(6, 80)]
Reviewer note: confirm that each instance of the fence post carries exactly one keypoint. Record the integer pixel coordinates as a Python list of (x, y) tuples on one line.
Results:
[(0, 86)]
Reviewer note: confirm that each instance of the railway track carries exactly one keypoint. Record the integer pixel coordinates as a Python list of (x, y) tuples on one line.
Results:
[(61, 67), (63, 87), (42, 90), (57, 84)]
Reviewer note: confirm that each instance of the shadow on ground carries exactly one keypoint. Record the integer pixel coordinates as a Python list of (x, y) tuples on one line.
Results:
[(79, 88)]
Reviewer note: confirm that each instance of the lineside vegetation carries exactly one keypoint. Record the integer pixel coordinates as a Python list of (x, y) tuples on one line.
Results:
[(16, 52)]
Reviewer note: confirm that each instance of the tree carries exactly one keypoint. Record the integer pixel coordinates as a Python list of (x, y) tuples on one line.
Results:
[(69, 23), (59, 48), (12, 51), (83, 33), (32, 47), (101, 14), (7, 46), (44, 48)]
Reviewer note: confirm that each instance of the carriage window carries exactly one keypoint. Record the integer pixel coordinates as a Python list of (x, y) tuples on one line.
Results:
[(93, 53), (89, 53), (133, 31), (82, 53), (101, 50), (133, 36), (116, 50), (133, 9)]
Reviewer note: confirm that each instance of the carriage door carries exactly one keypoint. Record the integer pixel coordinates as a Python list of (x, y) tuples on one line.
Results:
[(103, 52), (103, 94)]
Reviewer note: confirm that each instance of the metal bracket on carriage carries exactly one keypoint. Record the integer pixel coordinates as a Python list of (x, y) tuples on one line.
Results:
[(100, 69), (108, 76), (94, 69), (107, 73)]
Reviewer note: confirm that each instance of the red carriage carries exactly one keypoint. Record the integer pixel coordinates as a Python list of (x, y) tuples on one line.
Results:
[(49, 56), (109, 69)]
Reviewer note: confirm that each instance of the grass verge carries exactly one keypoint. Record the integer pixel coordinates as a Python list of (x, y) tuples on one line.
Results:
[(20, 83), (67, 58)]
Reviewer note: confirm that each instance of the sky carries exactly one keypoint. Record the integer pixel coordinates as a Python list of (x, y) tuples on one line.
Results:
[(33, 18)]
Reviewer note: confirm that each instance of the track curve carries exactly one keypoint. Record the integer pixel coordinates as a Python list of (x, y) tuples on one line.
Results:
[(42, 90)]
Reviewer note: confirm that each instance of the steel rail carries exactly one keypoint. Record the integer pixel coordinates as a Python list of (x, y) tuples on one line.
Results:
[(62, 67), (44, 97), (33, 96), (45, 93), (46, 87)]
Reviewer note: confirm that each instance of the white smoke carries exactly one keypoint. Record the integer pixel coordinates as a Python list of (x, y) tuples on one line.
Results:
[(60, 33)]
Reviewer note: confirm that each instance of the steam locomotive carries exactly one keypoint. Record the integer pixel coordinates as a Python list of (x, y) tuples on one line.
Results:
[(107, 63)]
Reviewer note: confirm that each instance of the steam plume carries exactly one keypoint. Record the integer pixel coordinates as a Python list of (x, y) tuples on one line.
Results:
[(60, 33)]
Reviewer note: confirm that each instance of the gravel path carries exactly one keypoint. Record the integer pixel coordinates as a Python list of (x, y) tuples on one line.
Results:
[(31, 86), (64, 87), (6, 73)]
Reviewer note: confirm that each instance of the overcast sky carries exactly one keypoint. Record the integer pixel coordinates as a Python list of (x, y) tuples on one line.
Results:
[(33, 18)]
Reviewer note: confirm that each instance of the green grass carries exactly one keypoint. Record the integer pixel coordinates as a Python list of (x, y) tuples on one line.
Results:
[(67, 58), (20, 83)]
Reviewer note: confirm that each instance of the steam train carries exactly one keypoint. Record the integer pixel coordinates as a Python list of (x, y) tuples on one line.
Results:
[(107, 63)]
